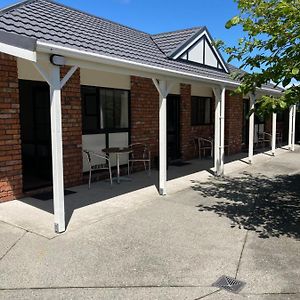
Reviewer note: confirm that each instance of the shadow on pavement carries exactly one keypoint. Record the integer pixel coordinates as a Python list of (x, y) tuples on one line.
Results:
[(269, 206)]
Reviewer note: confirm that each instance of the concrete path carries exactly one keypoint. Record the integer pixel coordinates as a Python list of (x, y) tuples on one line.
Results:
[(245, 226)]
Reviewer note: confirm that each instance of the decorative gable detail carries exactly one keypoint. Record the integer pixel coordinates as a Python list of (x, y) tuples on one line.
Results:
[(200, 50)]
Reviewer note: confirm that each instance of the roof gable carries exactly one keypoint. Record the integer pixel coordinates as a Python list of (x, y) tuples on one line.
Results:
[(200, 49), (169, 42)]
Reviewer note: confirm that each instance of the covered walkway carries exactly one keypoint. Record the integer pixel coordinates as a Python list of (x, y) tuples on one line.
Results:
[(86, 206)]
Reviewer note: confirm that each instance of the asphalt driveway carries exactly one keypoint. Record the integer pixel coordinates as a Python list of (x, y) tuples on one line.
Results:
[(246, 225)]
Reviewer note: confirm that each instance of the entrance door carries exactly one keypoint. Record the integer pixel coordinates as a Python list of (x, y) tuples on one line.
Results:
[(35, 134), (173, 127)]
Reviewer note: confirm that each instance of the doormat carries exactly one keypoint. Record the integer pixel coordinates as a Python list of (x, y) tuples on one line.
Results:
[(45, 196), (229, 284), (179, 163)]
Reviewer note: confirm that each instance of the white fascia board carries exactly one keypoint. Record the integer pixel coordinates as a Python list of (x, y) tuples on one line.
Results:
[(204, 33), (18, 52), (190, 44), (80, 55)]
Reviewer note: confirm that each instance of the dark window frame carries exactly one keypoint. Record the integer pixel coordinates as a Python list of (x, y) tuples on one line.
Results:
[(200, 121), (97, 94)]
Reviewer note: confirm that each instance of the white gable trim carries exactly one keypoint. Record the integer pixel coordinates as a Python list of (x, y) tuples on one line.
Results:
[(196, 40)]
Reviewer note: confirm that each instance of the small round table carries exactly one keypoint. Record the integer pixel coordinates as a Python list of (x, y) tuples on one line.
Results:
[(118, 151)]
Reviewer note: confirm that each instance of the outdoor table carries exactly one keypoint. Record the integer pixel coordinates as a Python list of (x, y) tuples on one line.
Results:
[(118, 151)]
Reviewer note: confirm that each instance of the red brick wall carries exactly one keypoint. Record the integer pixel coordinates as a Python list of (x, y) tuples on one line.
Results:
[(233, 122), (72, 130), (10, 140), (144, 113), (187, 131)]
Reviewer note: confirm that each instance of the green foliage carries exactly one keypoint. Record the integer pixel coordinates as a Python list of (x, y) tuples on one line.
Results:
[(270, 48)]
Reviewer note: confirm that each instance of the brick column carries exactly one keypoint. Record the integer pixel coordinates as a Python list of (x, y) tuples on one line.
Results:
[(10, 139), (186, 146), (187, 131), (233, 122), (144, 113), (72, 130)]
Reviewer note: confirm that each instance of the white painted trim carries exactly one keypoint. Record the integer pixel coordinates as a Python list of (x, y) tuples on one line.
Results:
[(274, 120), (163, 138), (68, 76), (57, 151), (251, 129), (222, 130), (42, 71), (217, 93), (117, 62), (163, 87), (156, 83), (204, 33), (290, 127), (294, 127), (190, 44), (18, 52)]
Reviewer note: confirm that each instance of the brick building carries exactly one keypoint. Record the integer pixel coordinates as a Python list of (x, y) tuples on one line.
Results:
[(69, 81)]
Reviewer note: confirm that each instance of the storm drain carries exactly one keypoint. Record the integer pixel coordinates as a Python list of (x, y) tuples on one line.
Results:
[(229, 284)]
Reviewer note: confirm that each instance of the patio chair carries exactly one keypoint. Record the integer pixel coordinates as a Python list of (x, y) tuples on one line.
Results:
[(203, 144), (264, 138), (96, 162), (139, 153)]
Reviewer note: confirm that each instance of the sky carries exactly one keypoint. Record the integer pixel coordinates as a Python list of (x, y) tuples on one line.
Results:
[(154, 16)]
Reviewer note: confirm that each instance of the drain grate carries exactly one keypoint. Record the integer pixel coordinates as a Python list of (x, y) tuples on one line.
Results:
[(229, 284)]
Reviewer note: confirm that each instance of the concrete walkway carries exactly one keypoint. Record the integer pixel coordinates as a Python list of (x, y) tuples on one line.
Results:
[(142, 246)]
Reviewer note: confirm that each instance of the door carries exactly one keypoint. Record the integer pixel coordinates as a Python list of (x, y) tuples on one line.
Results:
[(173, 127), (35, 134)]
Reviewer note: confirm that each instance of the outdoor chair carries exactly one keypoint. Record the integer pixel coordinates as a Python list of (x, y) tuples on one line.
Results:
[(202, 145), (96, 162), (264, 138), (139, 153)]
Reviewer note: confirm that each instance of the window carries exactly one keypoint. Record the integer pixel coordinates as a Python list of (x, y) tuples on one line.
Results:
[(104, 110), (201, 110)]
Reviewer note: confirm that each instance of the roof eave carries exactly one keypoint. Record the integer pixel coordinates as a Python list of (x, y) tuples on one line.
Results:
[(146, 69), (18, 45)]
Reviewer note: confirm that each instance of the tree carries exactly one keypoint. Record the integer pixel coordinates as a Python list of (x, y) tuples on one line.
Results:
[(270, 48)]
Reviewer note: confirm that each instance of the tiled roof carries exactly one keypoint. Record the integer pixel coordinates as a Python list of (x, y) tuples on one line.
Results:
[(168, 42), (48, 21)]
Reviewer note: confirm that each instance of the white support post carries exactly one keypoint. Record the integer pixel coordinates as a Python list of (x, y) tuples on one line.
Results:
[(56, 85), (274, 120), (290, 127), (251, 129), (294, 127), (57, 151), (219, 130), (217, 94), (292, 124), (163, 87), (222, 131)]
